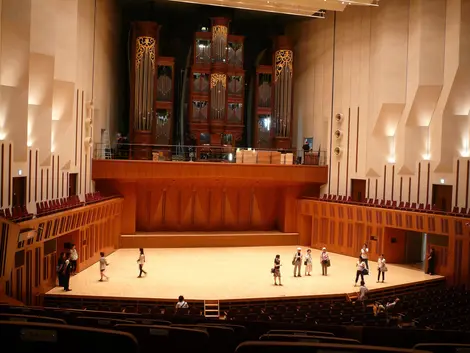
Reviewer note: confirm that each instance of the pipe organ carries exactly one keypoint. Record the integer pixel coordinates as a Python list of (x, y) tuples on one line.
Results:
[(151, 91), (274, 98), (217, 87)]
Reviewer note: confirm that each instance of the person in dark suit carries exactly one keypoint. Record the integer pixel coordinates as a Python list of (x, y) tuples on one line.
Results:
[(431, 262), (67, 273)]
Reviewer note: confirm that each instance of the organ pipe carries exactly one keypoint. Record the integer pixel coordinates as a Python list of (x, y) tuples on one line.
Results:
[(219, 43), (144, 83), (218, 101), (283, 92)]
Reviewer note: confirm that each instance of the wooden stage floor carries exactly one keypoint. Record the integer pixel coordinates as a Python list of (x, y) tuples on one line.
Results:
[(224, 274)]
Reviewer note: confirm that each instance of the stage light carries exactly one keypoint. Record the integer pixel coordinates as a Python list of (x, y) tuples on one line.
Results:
[(20, 172), (442, 181)]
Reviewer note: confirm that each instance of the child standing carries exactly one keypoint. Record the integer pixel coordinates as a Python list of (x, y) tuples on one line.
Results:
[(103, 264)]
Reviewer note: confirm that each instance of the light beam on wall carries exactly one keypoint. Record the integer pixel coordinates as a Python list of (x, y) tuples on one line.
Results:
[(465, 152)]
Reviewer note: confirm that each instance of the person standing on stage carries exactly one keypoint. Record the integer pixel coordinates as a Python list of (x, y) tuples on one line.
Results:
[(381, 268), (103, 264), (308, 262), (277, 270), (325, 262), (67, 272), (360, 267), (73, 260), (141, 262), (365, 255), (297, 262), (60, 269), (431, 262)]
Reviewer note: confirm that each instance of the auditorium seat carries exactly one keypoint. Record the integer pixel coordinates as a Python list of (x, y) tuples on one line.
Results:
[(300, 332), (30, 337), (31, 318), (222, 338), (307, 338), (309, 347), (99, 322), (443, 347), (168, 339)]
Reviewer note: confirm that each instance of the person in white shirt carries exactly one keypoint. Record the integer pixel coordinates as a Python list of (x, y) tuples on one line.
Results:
[(297, 262), (308, 262), (103, 265), (381, 268), (365, 255), (181, 304), (362, 294), (360, 266), (324, 261), (141, 262), (73, 260)]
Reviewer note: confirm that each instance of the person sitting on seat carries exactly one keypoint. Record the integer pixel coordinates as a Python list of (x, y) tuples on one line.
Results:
[(379, 308)]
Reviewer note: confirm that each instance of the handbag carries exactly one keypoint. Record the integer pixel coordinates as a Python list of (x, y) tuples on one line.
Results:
[(365, 272), (305, 262), (384, 269), (328, 263), (272, 270)]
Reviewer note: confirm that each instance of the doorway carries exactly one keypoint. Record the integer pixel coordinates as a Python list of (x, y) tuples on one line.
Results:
[(19, 191), (415, 249), (442, 197), (73, 177), (358, 190)]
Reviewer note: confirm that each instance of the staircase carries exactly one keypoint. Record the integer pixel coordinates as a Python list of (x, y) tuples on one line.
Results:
[(211, 308)]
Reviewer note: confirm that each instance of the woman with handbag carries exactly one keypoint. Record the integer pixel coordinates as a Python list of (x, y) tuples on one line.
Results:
[(325, 262), (360, 267), (308, 262), (277, 270), (381, 268)]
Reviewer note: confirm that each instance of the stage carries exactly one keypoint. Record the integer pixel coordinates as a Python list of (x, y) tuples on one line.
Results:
[(226, 274)]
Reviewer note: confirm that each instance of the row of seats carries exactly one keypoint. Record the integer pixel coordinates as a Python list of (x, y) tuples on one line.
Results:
[(44, 208), (93, 197), (17, 214), (33, 329), (402, 205)]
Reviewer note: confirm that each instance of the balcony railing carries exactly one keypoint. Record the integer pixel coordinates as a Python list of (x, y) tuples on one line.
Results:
[(209, 153)]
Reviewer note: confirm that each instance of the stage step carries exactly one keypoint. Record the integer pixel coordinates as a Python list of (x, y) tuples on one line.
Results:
[(209, 239), (212, 308)]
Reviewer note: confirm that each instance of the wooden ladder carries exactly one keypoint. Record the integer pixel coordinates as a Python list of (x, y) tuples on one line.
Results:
[(211, 308)]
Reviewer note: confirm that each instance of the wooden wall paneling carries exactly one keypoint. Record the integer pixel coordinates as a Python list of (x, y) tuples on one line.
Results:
[(52, 176), (467, 183), (202, 208), (2, 157), (401, 189), (245, 202), (385, 183), (457, 175), (29, 174), (186, 207), (231, 207), (348, 151), (215, 207), (9, 174), (58, 180), (409, 189), (36, 176)]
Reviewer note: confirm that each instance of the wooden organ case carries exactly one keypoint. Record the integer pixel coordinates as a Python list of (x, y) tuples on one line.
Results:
[(151, 91), (217, 88), (274, 99)]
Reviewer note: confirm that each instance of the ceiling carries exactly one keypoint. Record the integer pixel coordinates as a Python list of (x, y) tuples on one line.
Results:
[(307, 8)]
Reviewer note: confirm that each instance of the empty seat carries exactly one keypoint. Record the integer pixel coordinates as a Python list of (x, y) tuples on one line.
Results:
[(26, 337), (308, 347), (99, 322), (300, 332), (307, 338), (168, 339), (443, 347), (31, 318)]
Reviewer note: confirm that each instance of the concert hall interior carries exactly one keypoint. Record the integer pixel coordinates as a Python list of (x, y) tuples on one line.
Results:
[(201, 138)]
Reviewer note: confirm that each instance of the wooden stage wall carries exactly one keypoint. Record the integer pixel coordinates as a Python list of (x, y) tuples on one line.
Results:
[(28, 268), (344, 228), (166, 205)]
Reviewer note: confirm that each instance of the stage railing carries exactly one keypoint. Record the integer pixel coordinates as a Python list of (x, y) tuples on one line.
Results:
[(222, 154)]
